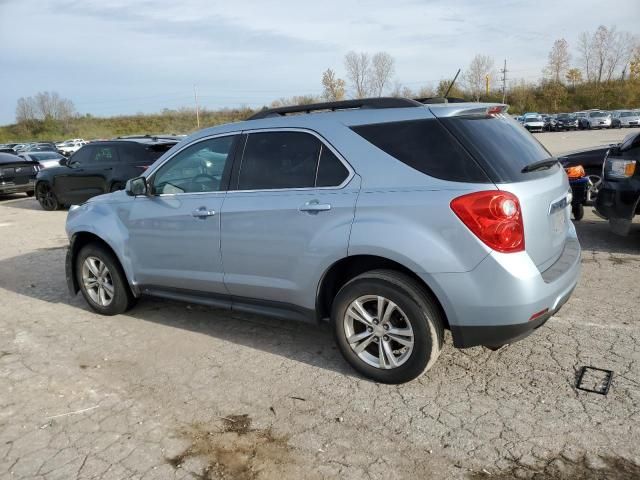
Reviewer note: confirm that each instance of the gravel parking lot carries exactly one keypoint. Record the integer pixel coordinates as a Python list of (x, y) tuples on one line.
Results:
[(178, 391)]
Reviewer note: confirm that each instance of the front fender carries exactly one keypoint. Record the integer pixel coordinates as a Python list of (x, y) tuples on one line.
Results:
[(102, 220)]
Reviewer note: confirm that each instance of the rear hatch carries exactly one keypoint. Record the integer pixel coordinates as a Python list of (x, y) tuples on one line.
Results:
[(518, 163), (18, 172)]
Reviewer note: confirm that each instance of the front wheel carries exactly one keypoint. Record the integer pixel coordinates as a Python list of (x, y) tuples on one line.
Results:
[(386, 326), (102, 280), (46, 197)]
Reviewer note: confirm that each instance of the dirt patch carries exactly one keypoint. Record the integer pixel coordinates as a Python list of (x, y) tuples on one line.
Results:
[(234, 450), (561, 468)]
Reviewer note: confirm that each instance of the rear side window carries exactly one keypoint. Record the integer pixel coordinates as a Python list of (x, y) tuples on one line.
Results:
[(331, 171), (501, 146), (275, 160), (426, 146)]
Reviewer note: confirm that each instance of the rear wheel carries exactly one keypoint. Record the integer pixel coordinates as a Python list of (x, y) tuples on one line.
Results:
[(102, 280), (46, 197), (386, 326)]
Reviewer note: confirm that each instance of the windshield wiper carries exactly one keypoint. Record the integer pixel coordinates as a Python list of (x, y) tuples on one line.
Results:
[(541, 165)]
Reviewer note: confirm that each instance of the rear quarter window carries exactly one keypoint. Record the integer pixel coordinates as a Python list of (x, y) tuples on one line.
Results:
[(426, 146), (500, 145)]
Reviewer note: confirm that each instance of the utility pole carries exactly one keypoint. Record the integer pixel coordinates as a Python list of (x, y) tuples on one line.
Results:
[(195, 95), (504, 81)]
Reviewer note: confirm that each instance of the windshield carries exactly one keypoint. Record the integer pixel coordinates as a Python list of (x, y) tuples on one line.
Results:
[(597, 114), (628, 114), (533, 119), (46, 155)]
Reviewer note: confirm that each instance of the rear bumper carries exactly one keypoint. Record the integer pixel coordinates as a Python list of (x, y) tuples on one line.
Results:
[(10, 187), (494, 303)]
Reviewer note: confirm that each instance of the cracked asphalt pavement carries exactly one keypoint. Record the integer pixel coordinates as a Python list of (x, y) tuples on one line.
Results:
[(180, 391)]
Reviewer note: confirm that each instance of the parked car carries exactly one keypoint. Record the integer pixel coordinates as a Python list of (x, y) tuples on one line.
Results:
[(71, 140), (44, 159), (39, 147), (97, 168), (533, 123), (619, 197), (381, 214), (591, 159), (17, 174), (598, 119), (70, 147), (549, 121), (565, 121), (627, 118)]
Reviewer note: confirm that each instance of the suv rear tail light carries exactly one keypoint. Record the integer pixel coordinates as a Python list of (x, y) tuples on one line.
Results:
[(494, 217)]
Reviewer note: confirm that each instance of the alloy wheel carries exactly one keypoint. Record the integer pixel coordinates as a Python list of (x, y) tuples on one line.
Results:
[(97, 281), (378, 331), (46, 197)]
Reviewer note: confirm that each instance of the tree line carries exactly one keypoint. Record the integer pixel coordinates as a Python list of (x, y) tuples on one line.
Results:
[(601, 71)]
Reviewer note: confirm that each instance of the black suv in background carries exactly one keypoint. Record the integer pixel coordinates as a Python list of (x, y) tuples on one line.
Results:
[(619, 197), (97, 168)]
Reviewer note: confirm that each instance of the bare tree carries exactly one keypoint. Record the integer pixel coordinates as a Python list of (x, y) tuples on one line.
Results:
[(25, 110), (357, 66), (44, 106), (559, 58), (476, 75), (585, 48), (333, 87), (382, 68)]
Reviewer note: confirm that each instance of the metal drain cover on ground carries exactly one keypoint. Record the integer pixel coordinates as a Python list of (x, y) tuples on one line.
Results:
[(596, 380)]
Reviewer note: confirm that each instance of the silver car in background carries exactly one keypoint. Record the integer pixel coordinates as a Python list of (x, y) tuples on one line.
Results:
[(391, 219), (629, 118), (533, 123), (598, 119)]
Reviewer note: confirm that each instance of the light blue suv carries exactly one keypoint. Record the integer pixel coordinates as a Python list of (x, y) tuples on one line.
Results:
[(393, 219)]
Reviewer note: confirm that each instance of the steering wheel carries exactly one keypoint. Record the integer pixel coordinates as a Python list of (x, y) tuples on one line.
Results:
[(204, 183)]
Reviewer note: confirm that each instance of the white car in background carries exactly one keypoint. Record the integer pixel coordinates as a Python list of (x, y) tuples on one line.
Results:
[(533, 123), (70, 146)]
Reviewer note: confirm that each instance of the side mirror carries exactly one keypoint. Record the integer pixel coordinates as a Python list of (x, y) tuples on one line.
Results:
[(136, 186), (63, 162)]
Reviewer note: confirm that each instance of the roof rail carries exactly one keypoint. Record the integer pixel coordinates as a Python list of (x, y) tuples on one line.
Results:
[(430, 100), (380, 102)]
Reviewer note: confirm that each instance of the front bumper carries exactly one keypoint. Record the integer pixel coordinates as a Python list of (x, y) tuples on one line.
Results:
[(501, 300), (11, 187), (618, 202)]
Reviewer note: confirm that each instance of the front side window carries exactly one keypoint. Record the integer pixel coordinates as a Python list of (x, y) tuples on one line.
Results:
[(198, 168), (275, 160)]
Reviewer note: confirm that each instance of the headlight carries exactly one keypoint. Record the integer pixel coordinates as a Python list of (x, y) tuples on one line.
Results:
[(619, 168)]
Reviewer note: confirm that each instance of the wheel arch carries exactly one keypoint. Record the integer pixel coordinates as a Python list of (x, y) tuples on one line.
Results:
[(343, 270), (79, 240)]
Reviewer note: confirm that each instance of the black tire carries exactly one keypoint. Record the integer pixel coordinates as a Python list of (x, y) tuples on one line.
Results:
[(116, 186), (578, 212), (122, 298), (422, 313), (30, 193), (45, 196)]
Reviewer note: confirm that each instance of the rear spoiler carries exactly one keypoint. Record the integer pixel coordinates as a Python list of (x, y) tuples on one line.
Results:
[(468, 109)]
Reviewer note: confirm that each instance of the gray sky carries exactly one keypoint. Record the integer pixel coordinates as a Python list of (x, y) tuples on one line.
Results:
[(124, 56)]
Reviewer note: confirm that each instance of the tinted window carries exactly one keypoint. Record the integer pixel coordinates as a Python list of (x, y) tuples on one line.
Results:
[(132, 154), (197, 168), (501, 146), (279, 160), (331, 171), (45, 155), (103, 154), (426, 146), (82, 156)]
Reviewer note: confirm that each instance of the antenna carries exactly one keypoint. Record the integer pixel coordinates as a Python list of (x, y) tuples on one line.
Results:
[(451, 85)]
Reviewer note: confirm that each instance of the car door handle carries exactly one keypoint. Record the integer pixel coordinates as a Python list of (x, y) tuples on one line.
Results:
[(202, 212), (315, 206)]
